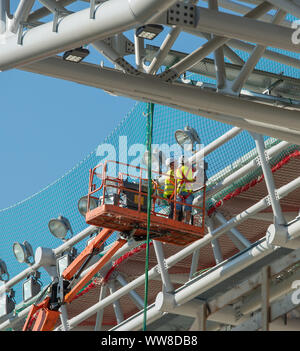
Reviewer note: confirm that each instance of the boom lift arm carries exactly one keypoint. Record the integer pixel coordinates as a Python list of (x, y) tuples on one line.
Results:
[(47, 312)]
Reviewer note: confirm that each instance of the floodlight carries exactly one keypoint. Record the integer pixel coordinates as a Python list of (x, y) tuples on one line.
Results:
[(31, 287), (59, 227), (188, 136), (3, 271), (76, 55), (82, 204), (62, 263), (23, 252), (149, 31), (65, 260), (7, 303)]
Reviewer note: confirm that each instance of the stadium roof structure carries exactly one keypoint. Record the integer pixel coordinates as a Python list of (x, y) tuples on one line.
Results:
[(240, 90)]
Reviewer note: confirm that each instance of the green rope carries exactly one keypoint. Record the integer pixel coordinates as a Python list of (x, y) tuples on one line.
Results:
[(150, 110)]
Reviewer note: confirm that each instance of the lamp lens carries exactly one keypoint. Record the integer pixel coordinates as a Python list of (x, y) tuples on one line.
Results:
[(19, 252), (58, 228), (27, 290), (82, 205)]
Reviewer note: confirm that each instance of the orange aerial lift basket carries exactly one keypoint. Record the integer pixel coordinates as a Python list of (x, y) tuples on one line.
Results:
[(122, 205)]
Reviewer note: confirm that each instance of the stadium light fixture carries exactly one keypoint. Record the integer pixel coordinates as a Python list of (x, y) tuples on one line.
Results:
[(65, 260), (76, 55), (31, 286), (187, 137), (82, 205), (59, 227), (23, 252), (7, 302), (149, 31)]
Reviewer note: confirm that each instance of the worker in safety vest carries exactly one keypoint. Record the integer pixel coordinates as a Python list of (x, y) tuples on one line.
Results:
[(169, 188), (185, 178)]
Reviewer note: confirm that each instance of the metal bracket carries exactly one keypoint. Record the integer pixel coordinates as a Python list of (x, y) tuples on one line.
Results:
[(169, 75), (182, 14), (165, 266), (127, 67), (93, 4), (277, 197), (57, 15), (268, 200)]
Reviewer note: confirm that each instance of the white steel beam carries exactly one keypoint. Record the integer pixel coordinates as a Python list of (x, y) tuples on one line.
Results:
[(163, 50), (274, 150), (253, 301), (20, 15), (116, 303), (166, 281), (188, 98), (99, 316), (247, 47), (218, 54), (139, 48), (255, 56), (236, 237), (285, 235), (138, 301), (111, 17), (278, 308), (220, 301), (211, 45), (214, 243), (269, 179), (249, 257), (243, 9), (52, 5), (288, 6), (246, 29), (43, 11), (3, 15)]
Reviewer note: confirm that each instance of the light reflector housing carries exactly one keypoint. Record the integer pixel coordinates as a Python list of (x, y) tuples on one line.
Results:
[(187, 137), (76, 55), (59, 227), (149, 31), (31, 287), (23, 252), (82, 205)]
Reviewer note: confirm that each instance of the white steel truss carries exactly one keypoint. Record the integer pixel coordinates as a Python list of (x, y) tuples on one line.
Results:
[(264, 103)]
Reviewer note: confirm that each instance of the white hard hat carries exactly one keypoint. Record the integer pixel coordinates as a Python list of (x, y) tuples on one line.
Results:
[(169, 161)]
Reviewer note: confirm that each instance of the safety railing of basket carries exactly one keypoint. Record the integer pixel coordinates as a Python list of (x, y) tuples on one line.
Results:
[(117, 183)]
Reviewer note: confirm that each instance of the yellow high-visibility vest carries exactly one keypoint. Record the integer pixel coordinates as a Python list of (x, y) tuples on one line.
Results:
[(184, 175), (169, 183)]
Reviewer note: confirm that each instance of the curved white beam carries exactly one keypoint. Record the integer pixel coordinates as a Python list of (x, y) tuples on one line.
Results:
[(184, 97), (288, 6), (77, 29), (243, 28)]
